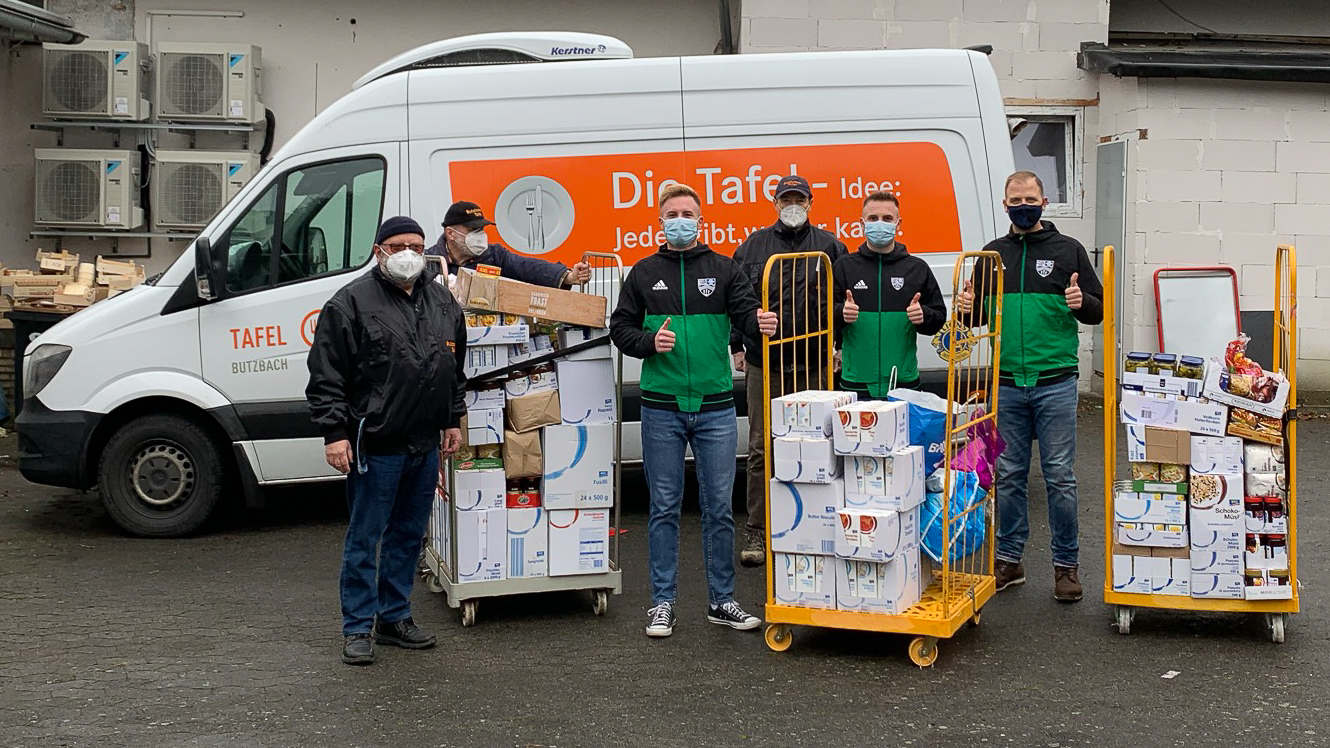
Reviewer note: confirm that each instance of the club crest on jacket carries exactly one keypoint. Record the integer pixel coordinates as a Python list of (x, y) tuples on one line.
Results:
[(706, 286), (1043, 267), (898, 283)]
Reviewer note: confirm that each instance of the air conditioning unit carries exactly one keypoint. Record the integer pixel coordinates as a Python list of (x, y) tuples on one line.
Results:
[(208, 83), (82, 188), (189, 187), (95, 80)]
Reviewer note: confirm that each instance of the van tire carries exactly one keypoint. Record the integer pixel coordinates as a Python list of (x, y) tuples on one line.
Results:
[(161, 476)]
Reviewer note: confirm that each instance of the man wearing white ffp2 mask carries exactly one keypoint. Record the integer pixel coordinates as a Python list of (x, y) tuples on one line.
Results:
[(466, 243)]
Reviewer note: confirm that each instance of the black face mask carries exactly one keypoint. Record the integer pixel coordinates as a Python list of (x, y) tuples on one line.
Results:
[(1024, 217)]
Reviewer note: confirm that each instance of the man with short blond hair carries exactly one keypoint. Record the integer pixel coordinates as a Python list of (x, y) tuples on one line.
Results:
[(1049, 289), (676, 310)]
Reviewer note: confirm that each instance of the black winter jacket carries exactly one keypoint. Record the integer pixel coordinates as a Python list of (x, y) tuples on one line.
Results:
[(390, 360), (794, 280)]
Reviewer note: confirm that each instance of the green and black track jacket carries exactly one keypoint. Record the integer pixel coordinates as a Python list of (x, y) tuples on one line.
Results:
[(1039, 332), (884, 284), (703, 294)]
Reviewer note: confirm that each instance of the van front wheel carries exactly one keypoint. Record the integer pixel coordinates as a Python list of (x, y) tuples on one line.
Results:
[(161, 476)]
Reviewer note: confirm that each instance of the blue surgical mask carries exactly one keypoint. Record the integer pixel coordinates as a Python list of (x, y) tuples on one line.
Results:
[(680, 232), (879, 233), (1024, 217)]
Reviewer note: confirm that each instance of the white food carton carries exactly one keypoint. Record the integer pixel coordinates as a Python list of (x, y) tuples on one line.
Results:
[(804, 460), (803, 516), (872, 429)]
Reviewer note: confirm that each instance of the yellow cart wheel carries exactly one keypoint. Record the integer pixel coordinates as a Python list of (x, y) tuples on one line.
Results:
[(923, 650), (779, 637)]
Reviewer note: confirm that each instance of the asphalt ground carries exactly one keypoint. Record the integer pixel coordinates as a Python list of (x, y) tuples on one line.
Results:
[(232, 639)]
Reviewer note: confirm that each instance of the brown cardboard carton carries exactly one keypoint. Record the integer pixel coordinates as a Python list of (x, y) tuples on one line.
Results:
[(57, 262), (482, 290), (522, 457), (530, 412), (1167, 446)]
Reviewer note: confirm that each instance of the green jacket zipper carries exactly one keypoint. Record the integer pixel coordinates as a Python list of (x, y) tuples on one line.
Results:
[(880, 347), (1025, 356), (683, 301)]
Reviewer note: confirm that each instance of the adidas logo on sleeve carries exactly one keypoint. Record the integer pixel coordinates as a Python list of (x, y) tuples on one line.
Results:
[(660, 286), (861, 286)]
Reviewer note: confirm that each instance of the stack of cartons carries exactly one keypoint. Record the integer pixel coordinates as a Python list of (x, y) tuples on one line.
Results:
[(60, 279), (1181, 528), (537, 460), (845, 504)]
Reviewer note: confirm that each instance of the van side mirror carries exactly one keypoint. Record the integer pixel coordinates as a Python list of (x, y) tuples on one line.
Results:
[(206, 276)]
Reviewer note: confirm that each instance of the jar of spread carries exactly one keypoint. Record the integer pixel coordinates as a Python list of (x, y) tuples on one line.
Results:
[(1253, 578), (1274, 509)]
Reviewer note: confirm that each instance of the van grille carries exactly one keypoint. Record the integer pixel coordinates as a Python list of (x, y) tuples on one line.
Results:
[(474, 57)]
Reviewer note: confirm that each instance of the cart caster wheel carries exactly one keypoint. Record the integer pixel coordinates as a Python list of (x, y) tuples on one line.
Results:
[(923, 650), (600, 602), (779, 637), (975, 621), (1275, 623), (469, 612), (434, 584), (1125, 615)]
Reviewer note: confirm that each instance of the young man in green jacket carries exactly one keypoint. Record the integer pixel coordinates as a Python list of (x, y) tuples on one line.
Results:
[(1049, 290), (885, 298), (676, 310)]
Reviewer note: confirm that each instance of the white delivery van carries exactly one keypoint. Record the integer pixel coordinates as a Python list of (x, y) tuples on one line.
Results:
[(192, 384)]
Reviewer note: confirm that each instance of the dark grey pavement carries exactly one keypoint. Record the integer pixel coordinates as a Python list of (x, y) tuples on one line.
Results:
[(231, 639)]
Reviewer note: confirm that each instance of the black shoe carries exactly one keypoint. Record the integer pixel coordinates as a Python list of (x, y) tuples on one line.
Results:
[(358, 650), (1008, 574), (660, 620), (755, 549), (730, 614), (405, 633)]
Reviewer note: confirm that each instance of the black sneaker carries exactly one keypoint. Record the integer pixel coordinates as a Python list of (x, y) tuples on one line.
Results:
[(358, 650), (730, 614), (755, 548), (660, 620), (1008, 574), (405, 633)]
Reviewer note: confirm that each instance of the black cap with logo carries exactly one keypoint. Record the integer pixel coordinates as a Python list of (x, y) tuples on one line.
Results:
[(463, 213), (794, 183)]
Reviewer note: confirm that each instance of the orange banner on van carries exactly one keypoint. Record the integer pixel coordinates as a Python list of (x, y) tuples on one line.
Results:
[(559, 207)]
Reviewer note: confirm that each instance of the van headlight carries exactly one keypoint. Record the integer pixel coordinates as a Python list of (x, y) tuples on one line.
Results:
[(41, 366)]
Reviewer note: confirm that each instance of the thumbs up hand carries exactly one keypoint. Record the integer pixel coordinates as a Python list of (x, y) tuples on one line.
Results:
[(915, 311), (851, 310), (965, 300), (1074, 293), (766, 322), (665, 338)]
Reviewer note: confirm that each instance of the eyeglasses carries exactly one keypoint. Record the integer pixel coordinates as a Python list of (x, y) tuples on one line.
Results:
[(393, 249)]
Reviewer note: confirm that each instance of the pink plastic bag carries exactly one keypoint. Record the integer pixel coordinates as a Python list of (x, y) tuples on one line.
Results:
[(980, 454)]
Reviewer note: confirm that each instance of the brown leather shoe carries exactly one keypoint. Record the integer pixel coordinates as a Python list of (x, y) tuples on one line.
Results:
[(1066, 584), (1008, 574)]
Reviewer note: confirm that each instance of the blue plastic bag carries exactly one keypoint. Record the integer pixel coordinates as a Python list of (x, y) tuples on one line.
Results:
[(968, 532), (928, 424)]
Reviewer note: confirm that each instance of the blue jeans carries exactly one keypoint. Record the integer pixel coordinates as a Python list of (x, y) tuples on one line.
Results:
[(714, 436), (1046, 414), (390, 506)]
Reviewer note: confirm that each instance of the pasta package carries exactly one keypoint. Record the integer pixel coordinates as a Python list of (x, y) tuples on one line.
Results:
[(1263, 458)]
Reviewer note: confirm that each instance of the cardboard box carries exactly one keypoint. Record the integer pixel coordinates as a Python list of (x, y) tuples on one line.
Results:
[(1212, 455), (1152, 444), (1217, 562), (590, 396), (805, 581), (579, 466), (1166, 576), (579, 541), (872, 428), (1217, 522), (807, 414), (868, 587), (483, 359), (481, 545), (1252, 426), (1150, 508), (521, 454), (1269, 592), (1131, 573), (528, 543), (439, 539), (479, 463), (1172, 412), (1273, 409), (538, 345), (481, 427), (487, 399), (569, 336), (72, 294), (530, 412), (803, 516), (1261, 524), (1217, 586), (479, 489), (1209, 489), (109, 272), (487, 292), (892, 482), (60, 263), (497, 334), (1161, 384), (877, 534), (1265, 556), (1152, 535), (530, 382), (803, 460)]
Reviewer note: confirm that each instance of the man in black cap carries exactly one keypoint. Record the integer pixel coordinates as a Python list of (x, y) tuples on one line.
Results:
[(466, 244), (801, 366), (385, 380)]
